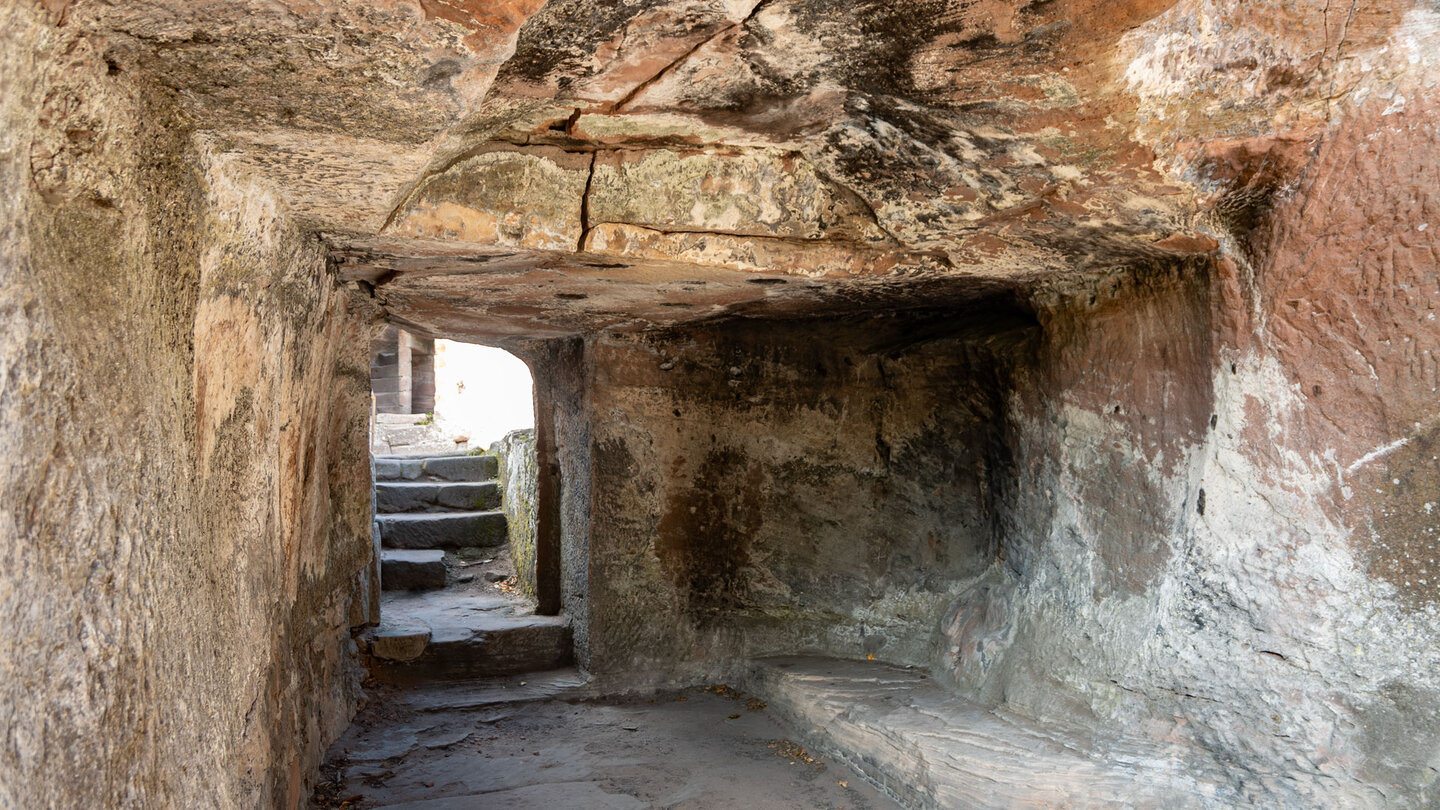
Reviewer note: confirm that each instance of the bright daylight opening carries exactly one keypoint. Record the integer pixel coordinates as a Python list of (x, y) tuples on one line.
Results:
[(481, 393)]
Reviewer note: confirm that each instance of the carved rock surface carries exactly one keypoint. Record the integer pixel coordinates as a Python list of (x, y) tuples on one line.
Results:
[(1079, 352)]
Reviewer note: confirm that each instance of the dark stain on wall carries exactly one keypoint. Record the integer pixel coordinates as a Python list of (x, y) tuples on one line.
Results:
[(706, 530), (786, 487)]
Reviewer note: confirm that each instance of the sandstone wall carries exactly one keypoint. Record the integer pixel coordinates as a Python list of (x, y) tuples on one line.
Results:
[(765, 488), (183, 467), (1223, 532)]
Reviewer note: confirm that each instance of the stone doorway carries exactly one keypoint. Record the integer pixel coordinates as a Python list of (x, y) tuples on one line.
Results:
[(455, 497)]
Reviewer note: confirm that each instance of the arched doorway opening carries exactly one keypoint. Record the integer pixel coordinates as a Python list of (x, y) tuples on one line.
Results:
[(460, 503)]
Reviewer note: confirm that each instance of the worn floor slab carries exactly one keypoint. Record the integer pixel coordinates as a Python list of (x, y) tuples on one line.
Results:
[(697, 749)]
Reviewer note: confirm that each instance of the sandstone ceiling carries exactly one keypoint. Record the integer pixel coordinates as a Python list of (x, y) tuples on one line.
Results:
[(489, 169)]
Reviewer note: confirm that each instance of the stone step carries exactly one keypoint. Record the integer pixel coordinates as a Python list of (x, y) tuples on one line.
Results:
[(501, 646), (425, 449), (412, 569), (408, 434), (437, 468), (445, 635), (402, 418), (442, 530), (421, 496)]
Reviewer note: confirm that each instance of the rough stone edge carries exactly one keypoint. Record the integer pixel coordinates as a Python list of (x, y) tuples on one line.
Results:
[(519, 484)]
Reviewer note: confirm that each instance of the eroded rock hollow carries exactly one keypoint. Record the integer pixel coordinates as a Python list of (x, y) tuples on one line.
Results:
[(1064, 372)]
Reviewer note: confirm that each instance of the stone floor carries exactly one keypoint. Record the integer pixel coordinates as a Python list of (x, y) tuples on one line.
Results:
[(544, 741)]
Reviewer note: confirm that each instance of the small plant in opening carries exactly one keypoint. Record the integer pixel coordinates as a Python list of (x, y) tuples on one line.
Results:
[(427, 419)]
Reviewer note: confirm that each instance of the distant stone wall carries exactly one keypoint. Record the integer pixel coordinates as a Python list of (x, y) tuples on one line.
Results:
[(184, 486), (769, 488), (402, 372), (519, 482)]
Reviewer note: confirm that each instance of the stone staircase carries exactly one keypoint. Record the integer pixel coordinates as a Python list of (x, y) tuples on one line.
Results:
[(447, 611)]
